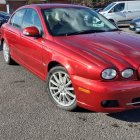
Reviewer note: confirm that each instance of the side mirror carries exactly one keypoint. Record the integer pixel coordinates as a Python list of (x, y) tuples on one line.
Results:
[(31, 31)]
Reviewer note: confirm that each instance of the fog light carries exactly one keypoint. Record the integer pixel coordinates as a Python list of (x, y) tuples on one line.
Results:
[(109, 103)]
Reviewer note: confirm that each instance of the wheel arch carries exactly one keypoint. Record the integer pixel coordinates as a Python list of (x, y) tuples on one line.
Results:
[(112, 20), (53, 64), (62, 63)]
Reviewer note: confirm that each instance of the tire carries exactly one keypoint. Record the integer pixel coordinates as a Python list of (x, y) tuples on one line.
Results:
[(6, 54), (60, 89), (113, 22)]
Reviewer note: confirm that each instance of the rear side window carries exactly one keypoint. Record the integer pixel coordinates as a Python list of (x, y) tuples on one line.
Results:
[(119, 7), (32, 19), (17, 18)]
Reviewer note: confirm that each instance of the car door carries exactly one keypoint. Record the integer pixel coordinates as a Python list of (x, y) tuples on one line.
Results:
[(32, 47), (12, 35), (117, 12)]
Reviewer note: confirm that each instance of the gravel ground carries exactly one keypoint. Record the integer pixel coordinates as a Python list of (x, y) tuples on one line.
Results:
[(26, 113)]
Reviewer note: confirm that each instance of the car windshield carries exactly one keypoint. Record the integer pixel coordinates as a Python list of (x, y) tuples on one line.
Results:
[(108, 7), (72, 21)]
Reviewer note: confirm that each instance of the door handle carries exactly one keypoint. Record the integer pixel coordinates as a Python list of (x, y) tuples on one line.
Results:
[(130, 12)]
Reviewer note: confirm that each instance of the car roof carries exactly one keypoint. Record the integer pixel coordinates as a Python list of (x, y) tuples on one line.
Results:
[(46, 6), (126, 1)]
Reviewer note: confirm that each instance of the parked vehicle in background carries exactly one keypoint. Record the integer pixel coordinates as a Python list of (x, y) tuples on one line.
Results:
[(4, 17), (98, 9), (84, 59), (122, 12), (135, 25), (1, 21)]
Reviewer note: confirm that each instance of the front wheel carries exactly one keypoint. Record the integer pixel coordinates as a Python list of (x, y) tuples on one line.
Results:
[(60, 89)]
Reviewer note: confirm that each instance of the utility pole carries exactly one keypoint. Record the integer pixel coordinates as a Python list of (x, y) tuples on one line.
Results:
[(7, 7)]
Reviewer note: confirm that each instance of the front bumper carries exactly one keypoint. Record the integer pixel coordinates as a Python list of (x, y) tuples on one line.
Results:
[(122, 91)]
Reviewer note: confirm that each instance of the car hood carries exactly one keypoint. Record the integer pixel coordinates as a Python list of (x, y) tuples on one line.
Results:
[(103, 12), (108, 49)]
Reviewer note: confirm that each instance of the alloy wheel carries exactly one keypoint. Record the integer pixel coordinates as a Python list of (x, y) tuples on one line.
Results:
[(61, 89)]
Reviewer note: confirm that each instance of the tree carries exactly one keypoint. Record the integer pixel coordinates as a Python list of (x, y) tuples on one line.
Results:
[(83, 2), (33, 1)]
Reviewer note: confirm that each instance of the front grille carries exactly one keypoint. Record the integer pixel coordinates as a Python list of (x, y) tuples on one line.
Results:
[(109, 103)]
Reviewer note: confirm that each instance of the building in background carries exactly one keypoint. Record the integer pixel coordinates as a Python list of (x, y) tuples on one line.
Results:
[(14, 4), (11, 5), (59, 1), (2, 5)]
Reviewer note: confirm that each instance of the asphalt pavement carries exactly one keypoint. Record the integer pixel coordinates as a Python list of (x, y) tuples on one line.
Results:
[(26, 113)]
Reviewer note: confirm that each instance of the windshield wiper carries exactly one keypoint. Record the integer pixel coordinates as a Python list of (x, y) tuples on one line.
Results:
[(85, 32), (113, 30)]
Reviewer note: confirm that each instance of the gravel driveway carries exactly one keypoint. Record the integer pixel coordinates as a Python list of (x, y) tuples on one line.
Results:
[(27, 114)]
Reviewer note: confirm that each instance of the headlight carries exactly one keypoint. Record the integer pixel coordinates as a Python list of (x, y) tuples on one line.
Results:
[(109, 74), (127, 73)]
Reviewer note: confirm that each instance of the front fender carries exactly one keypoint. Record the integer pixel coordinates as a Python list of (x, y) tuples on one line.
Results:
[(70, 62)]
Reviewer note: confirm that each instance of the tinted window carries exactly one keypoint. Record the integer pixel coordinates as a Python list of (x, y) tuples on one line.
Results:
[(31, 19), (119, 7), (17, 18)]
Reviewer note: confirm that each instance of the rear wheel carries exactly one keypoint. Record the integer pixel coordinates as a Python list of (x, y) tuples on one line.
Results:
[(60, 89), (6, 54)]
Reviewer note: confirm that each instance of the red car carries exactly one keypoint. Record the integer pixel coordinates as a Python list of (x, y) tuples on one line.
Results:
[(85, 60)]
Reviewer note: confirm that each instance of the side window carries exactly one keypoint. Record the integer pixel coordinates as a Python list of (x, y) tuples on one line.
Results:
[(31, 19), (119, 7), (17, 18)]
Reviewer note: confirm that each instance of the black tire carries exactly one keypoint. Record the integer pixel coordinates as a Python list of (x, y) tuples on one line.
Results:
[(54, 71), (7, 60), (113, 22)]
